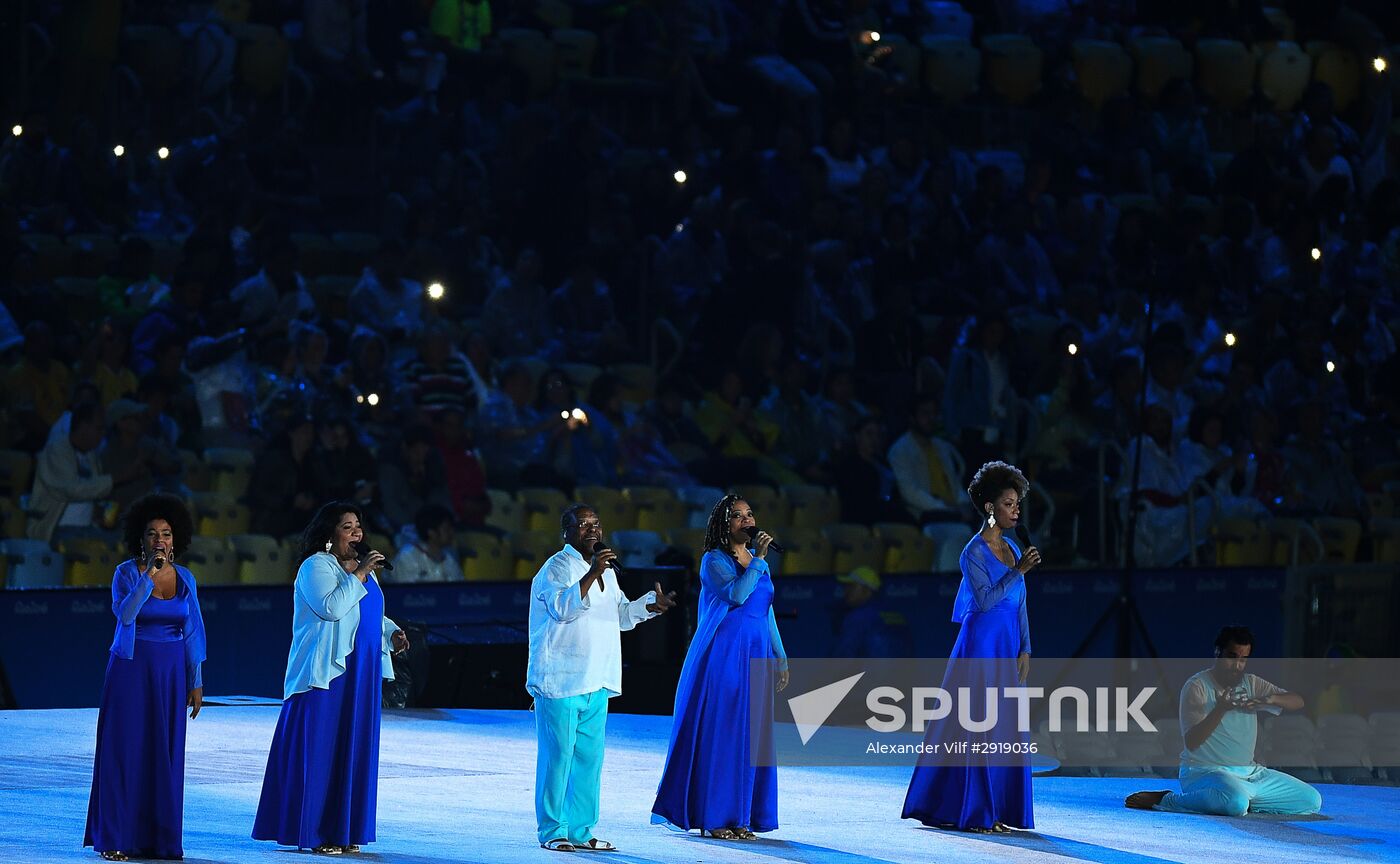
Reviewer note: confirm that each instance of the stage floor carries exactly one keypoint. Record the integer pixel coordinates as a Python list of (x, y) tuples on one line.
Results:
[(457, 785)]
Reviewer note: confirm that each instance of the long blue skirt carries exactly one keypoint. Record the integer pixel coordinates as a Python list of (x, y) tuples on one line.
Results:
[(323, 770), (138, 773), (711, 779), (968, 791)]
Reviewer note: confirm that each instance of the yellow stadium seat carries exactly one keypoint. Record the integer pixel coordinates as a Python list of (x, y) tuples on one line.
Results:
[(195, 471), (1284, 72), (219, 515), (952, 68), (1294, 542), (1385, 540), (812, 507), (1339, 69), (1102, 69), (770, 509), (89, 560), (530, 549), (582, 375), (807, 554), (1340, 537), (612, 507), (263, 58), (638, 381), (507, 514), (691, 540), (1225, 71), (657, 508), (543, 507), (261, 560), (1241, 543), (1013, 64), (13, 520), (853, 546), (230, 469), (907, 549), (1159, 59), (1281, 20), (574, 52), (485, 558), (16, 472)]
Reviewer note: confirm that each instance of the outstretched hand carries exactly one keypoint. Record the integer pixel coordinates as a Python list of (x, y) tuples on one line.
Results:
[(663, 601)]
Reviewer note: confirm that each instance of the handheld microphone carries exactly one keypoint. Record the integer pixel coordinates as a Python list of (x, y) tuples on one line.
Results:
[(159, 559), (774, 545), (362, 549), (600, 546), (1023, 535)]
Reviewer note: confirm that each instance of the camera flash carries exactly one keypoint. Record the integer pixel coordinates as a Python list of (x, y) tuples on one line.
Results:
[(1072, 349), (1378, 64), (1331, 367), (435, 291), (372, 399), (17, 129), (1230, 339), (119, 151), (680, 177), (1316, 254)]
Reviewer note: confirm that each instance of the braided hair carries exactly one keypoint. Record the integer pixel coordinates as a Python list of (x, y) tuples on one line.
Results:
[(717, 529)]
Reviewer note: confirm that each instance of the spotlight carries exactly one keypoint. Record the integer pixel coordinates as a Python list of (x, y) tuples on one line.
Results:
[(1331, 367), (1378, 64), (435, 291), (372, 399), (1230, 340), (1316, 254), (359, 398), (1072, 348), (680, 178), (163, 152), (564, 415), (17, 130), (874, 35), (119, 151)]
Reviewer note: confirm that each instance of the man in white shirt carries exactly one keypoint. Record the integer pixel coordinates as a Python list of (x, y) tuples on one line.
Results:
[(429, 558), (1218, 773), (577, 612)]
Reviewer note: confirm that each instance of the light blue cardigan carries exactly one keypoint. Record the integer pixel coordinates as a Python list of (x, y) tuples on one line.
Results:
[(325, 616), (131, 588)]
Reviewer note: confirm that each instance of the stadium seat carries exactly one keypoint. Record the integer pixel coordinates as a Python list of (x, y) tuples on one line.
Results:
[(808, 554), (530, 549), (1013, 64), (946, 18), (507, 514), (485, 558), (811, 506), (770, 508), (31, 564), (574, 52), (907, 550), (657, 508), (230, 469), (853, 546), (699, 501), (16, 472), (1225, 71), (543, 506), (952, 68), (212, 561), (219, 515), (636, 548), (1102, 69), (1339, 69), (1159, 59), (1340, 538), (1241, 543), (195, 471), (614, 510), (638, 381), (581, 374), (261, 560), (13, 520), (1294, 542), (690, 540), (263, 58), (1282, 21), (1284, 71), (1385, 540), (89, 561)]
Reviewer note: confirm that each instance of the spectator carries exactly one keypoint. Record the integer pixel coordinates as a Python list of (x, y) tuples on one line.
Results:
[(513, 433), (923, 468), (440, 377), (978, 398), (127, 445), (283, 484), (1319, 470), (430, 556), (863, 630), (863, 478), (114, 379), (69, 478), (342, 469), (466, 481), (38, 386), (410, 478), (1167, 521)]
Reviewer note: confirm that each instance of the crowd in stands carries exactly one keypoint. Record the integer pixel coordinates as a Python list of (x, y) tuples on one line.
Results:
[(440, 256)]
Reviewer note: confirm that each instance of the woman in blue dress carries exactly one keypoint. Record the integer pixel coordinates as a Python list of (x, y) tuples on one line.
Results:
[(984, 793), (137, 803), (710, 780), (323, 769)]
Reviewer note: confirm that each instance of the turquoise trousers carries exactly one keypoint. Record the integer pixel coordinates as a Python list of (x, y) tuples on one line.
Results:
[(1225, 793), (569, 765)]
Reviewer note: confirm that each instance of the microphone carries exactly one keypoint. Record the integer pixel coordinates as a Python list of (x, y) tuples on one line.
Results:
[(774, 545), (600, 546), (362, 549), (1023, 535), (159, 559)]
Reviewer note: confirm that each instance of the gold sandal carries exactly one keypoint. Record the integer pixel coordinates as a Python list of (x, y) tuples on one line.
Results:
[(328, 849), (113, 855), (719, 833), (744, 834)]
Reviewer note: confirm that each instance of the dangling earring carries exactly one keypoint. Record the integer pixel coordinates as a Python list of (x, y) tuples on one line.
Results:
[(991, 519), (328, 545)]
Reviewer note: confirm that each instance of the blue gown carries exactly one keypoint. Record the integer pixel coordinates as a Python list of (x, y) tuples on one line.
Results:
[(971, 791), (710, 780), (138, 777), (323, 769)]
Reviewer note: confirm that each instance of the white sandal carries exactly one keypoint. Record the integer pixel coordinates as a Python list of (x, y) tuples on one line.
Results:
[(559, 844)]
